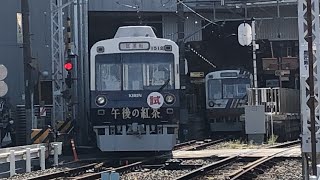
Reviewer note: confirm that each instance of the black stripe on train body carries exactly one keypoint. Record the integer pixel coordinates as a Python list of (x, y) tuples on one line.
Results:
[(124, 107)]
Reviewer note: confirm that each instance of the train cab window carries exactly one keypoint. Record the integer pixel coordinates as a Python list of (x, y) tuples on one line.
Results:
[(132, 76), (108, 73), (235, 88), (242, 89), (147, 71), (134, 71), (159, 74), (229, 91), (214, 89)]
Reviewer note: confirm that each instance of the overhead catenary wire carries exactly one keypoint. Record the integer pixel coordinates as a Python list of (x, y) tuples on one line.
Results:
[(196, 13), (203, 58), (199, 15)]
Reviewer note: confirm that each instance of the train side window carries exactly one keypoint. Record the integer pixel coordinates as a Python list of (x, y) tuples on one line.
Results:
[(108, 73), (153, 129), (219, 120), (119, 130), (160, 130), (129, 129), (170, 130), (112, 130), (142, 129), (101, 131)]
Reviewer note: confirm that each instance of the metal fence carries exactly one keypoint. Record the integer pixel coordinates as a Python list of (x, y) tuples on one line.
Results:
[(276, 100), (29, 152)]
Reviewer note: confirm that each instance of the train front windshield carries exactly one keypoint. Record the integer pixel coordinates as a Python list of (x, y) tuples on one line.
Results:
[(134, 71), (227, 88)]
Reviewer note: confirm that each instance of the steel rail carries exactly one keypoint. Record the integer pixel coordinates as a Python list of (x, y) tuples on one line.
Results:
[(128, 168), (254, 164), (66, 173), (122, 169), (201, 146), (207, 168), (225, 161), (285, 144), (177, 146)]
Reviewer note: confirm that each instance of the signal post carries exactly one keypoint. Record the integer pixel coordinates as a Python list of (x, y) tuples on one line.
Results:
[(68, 93)]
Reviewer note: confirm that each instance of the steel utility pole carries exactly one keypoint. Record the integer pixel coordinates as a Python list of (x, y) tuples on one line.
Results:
[(311, 84), (181, 40), (83, 69), (181, 44), (254, 58), (27, 58)]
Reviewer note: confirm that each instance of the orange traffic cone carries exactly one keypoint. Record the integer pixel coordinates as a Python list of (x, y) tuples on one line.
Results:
[(75, 156)]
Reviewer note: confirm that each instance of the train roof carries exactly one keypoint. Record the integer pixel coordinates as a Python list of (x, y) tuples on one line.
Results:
[(228, 73), (135, 31)]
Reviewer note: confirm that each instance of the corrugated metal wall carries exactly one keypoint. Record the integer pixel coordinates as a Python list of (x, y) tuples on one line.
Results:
[(274, 29), (192, 26), (128, 5)]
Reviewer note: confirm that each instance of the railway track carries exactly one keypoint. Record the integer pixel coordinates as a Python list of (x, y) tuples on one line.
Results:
[(70, 172), (229, 160), (122, 169), (184, 144), (194, 145), (94, 171), (182, 170), (286, 144)]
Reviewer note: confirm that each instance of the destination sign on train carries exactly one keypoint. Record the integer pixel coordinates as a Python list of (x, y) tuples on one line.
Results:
[(130, 46)]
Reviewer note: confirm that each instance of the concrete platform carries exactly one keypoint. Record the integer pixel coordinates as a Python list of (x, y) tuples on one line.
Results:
[(290, 152)]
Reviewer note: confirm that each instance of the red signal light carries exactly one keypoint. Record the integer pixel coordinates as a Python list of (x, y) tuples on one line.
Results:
[(68, 66)]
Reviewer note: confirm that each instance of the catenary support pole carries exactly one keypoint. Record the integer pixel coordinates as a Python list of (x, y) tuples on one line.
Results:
[(181, 44), (311, 84), (27, 58), (254, 59)]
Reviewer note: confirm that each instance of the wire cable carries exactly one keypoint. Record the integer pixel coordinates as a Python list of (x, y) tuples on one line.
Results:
[(196, 13)]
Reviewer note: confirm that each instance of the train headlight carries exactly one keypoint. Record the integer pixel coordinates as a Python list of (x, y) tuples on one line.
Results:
[(169, 99), (211, 104), (101, 100)]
